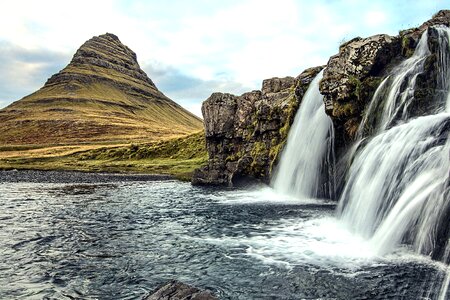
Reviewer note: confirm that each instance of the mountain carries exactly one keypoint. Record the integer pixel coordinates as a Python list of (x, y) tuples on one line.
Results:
[(101, 96)]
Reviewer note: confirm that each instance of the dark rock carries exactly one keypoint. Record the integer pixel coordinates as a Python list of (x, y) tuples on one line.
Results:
[(348, 81), (352, 76), (410, 37), (245, 134), (175, 290)]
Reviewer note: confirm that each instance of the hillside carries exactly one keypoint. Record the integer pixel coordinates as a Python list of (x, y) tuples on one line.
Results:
[(102, 96)]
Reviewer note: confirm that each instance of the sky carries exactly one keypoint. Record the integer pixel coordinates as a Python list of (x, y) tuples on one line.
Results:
[(193, 48)]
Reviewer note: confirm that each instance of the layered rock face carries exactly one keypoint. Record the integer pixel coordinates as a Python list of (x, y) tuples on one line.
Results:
[(102, 95), (245, 134)]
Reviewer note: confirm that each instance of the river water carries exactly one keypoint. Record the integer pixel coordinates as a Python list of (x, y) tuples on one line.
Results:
[(97, 238)]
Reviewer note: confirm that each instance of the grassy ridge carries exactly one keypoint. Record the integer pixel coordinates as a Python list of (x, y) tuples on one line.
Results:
[(178, 157)]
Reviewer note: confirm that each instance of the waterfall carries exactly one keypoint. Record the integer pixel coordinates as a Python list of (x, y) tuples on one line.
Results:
[(303, 159), (397, 191)]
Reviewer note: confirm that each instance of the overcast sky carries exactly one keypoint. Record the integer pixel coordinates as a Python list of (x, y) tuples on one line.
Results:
[(192, 48)]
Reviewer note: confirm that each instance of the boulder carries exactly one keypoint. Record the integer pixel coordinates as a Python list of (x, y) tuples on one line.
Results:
[(175, 290)]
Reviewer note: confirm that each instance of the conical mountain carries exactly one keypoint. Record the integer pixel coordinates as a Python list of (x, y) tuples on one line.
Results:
[(101, 96)]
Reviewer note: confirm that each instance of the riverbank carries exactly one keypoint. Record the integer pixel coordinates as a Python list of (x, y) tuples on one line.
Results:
[(34, 176)]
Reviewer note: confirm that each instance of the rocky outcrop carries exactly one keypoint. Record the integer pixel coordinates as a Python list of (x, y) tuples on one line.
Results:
[(105, 53), (101, 95), (350, 79), (175, 290), (352, 76), (245, 134)]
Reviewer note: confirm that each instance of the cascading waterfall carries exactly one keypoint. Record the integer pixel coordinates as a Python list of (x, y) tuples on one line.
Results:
[(398, 185), (302, 161)]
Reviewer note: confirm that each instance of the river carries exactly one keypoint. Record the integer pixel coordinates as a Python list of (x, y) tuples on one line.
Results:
[(91, 237)]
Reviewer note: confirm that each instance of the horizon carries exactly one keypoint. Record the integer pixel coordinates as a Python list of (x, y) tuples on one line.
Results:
[(192, 50)]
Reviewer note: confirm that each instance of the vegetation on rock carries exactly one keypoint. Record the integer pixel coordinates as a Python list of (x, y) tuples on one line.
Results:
[(245, 134)]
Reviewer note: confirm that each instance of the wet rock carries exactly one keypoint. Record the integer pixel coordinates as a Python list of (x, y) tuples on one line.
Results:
[(175, 290), (352, 76), (350, 80), (245, 134), (410, 37)]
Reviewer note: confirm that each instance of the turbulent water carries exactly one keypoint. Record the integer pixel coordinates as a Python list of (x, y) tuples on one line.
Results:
[(398, 184), (120, 239)]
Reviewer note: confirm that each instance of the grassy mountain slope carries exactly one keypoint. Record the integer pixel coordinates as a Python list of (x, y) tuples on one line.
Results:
[(102, 96)]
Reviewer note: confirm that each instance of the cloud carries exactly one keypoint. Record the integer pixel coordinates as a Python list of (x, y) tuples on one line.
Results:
[(220, 45), (190, 91), (25, 70)]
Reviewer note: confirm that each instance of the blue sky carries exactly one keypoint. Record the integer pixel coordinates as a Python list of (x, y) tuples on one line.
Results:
[(193, 48)]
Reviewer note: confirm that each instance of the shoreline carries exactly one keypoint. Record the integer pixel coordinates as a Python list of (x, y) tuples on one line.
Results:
[(68, 176)]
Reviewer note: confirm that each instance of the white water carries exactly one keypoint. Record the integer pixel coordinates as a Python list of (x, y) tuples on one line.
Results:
[(397, 183), (396, 92), (396, 195), (300, 168)]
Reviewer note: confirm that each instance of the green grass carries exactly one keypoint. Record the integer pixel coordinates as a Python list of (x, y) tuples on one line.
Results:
[(177, 157)]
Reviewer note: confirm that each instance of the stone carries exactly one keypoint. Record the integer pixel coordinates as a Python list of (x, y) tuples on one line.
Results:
[(352, 76), (261, 119), (175, 290), (346, 76)]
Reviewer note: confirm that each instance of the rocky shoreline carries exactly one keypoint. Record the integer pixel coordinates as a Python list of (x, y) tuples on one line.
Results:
[(33, 176)]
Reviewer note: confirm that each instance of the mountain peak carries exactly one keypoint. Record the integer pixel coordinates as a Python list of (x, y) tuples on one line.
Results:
[(106, 56), (102, 94), (109, 36)]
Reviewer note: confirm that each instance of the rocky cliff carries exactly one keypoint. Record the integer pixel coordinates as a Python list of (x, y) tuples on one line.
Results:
[(101, 95), (245, 134), (352, 76)]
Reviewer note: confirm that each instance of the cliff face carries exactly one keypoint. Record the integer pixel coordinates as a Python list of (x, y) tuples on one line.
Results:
[(245, 134), (101, 95), (352, 76)]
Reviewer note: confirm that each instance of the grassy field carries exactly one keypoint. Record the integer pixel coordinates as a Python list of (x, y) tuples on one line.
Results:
[(178, 157)]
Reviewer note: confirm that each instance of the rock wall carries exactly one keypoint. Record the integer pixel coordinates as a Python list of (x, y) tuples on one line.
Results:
[(245, 134), (352, 76)]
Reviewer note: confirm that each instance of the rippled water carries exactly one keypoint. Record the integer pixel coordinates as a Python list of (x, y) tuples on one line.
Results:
[(120, 239)]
